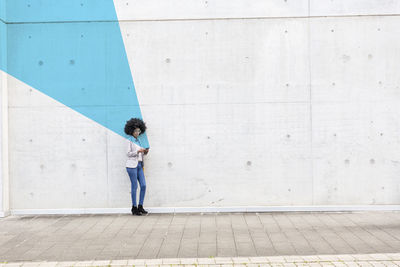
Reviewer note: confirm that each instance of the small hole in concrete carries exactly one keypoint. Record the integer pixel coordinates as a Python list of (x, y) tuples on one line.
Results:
[(208, 137), (333, 84), (289, 189), (288, 136), (332, 30), (170, 164), (381, 134), (287, 85), (168, 60), (347, 161), (372, 161), (83, 139), (248, 163)]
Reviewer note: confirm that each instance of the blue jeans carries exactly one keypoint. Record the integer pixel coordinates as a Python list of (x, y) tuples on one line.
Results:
[(136, 174)]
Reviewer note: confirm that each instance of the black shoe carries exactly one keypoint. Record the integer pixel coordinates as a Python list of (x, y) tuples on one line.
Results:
[(142, 210), (135, 211)]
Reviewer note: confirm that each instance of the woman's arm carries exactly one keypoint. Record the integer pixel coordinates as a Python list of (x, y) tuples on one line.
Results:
[(132, 152)]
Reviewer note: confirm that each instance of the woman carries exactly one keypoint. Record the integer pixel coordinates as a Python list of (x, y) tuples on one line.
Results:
[(134, 163)]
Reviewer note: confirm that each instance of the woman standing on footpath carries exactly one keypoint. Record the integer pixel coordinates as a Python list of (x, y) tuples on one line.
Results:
[(134, 164)]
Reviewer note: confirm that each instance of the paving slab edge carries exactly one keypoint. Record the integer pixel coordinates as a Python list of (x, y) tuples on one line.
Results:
[(335, 260)]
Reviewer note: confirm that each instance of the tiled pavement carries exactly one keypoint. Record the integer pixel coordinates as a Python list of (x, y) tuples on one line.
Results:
[(109, 238), (392, 259)]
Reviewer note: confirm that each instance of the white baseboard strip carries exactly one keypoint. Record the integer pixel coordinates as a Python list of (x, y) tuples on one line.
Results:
[(207, 209), (4, 214)]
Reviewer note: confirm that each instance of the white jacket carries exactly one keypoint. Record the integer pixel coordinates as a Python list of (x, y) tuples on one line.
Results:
[(133, 156)]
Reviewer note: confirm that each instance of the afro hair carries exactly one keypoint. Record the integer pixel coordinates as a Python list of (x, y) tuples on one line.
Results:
[(133, 124)]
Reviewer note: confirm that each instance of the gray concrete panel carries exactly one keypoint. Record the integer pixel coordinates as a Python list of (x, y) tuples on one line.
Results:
[(353, 7), (210, 9)]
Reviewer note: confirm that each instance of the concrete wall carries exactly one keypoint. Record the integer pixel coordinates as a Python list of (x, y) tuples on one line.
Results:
[(4, 181), (1, 150), (261, 103), (4, 171)]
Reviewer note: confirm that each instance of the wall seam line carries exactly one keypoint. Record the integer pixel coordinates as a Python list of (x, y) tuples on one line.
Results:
[(311, 107), (200, 19)]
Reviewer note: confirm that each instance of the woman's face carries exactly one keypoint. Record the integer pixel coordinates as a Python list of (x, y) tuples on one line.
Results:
[(136, 132)]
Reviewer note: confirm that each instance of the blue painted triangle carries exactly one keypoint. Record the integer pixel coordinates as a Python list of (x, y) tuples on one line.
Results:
[(72, 51)]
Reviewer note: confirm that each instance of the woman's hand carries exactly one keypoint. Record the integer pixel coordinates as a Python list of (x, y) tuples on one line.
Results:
[(146, 151)]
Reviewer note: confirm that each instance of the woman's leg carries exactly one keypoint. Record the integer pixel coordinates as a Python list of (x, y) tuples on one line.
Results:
[(132, 172), (142, 182)]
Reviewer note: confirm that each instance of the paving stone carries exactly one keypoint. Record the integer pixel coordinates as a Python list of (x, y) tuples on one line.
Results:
[(276, 259), (84, 263), (293, 259), (206, 261), (311, 258), (329, 258), (30, 264), (119, 262), (289, 264), (338, 263), (362, 257), (223, 260), (380, 257), (66, 263), (390, 263), (376, 264), (364, 264), (136, 262), (191, 261), (101, 263), (48, 264), (394, 256)]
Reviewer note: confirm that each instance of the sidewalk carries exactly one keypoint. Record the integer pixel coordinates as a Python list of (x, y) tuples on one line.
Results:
[(273, 261), (108, 238)]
